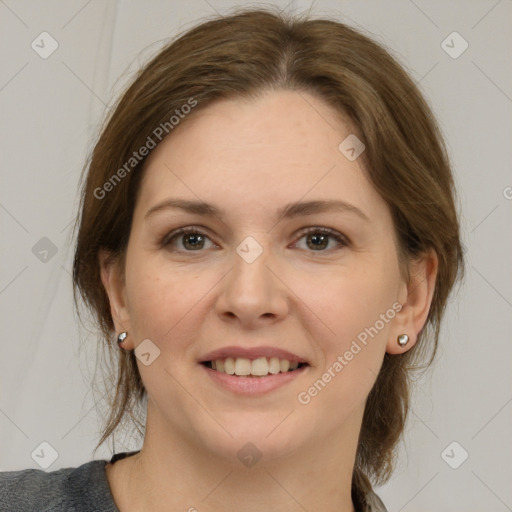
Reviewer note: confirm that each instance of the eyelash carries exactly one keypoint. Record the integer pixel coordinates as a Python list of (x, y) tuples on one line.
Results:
[(197, 230)]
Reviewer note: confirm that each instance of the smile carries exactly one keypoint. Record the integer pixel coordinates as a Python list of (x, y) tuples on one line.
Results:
[(241, 380), (260, 367)]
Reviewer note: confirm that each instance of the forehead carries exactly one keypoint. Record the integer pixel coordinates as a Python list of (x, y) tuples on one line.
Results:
[(277, 148)]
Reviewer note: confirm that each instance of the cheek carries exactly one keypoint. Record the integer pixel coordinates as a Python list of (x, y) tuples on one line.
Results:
[(357, 307), (160, 298), (150, 295), (360, 314)]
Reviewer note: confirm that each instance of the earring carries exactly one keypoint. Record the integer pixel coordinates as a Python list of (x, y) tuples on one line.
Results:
[(120, 338), (402, 340)]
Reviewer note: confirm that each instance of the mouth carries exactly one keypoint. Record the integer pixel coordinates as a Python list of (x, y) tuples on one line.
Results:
[(253, 371), (258, 367)]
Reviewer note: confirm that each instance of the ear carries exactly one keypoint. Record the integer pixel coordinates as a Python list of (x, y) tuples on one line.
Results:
[(415, 298), (112, 277)]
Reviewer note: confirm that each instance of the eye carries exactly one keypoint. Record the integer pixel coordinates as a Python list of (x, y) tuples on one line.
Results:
[(317, 238), (191, 238)]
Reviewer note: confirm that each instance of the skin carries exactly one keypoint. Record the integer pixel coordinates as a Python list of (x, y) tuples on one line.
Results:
[(250, 158)]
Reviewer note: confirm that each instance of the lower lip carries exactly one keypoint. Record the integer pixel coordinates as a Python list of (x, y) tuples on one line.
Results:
[(246, 385)]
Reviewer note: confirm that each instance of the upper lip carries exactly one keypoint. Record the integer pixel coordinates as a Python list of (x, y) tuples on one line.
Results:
[(251, 353)]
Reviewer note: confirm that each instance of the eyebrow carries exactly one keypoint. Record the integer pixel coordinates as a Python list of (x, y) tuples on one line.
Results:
[(289, 211)]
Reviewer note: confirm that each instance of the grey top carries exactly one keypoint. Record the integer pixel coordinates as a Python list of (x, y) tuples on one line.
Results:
[(83, 489)]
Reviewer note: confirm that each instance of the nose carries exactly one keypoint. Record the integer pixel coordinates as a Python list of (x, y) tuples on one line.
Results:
[(253, 294)]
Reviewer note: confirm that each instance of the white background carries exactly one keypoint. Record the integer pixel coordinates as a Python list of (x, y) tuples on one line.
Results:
[(51, 110)]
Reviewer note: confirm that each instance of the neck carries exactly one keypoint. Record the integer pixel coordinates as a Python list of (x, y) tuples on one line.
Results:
[(172, 473)]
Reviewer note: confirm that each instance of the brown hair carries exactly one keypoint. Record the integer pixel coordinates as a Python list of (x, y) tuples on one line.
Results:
[(242, 55)]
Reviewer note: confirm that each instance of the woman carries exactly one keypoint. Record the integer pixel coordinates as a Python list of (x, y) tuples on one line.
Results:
[(268, 234)]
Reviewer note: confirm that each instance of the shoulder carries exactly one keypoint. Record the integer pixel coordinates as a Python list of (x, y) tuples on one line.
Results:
[(83, 488)]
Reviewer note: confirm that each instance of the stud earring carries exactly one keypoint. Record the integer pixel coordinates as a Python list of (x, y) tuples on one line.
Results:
[(402, 340), (120, 338)]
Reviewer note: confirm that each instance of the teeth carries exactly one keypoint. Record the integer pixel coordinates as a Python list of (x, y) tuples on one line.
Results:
[(273, 365), (242, 366), (229, 365), (257, 367)]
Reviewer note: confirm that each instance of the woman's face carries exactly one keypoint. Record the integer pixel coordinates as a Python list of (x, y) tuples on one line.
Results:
[(247, 281)]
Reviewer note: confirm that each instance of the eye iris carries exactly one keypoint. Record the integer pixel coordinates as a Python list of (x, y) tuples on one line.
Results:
[(323, 239), (193, 236), (194, 240)]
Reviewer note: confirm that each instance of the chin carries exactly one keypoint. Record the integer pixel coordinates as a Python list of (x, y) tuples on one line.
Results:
[(254, 435)]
